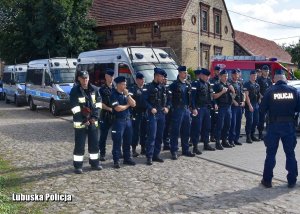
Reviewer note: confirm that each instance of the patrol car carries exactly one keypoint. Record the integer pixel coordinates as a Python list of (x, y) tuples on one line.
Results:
[(14, 84), (49, 82), (126, 61), (248, 63), (1, 90)]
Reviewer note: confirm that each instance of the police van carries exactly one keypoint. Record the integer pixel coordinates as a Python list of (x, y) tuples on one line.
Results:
[(248, 63), (1, 90), (49, 82), (14, 84), (126, 61)]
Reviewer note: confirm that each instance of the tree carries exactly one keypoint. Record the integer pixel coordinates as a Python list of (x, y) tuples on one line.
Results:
[(32, 29), (294, 51)]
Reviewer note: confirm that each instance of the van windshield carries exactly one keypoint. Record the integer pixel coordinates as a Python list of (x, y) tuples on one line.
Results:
[(147, 69), (20, 77), (63, 75)]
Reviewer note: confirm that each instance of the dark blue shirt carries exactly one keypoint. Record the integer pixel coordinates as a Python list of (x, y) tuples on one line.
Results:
[(239, 90), (155, 96), (201, 94), (180, 93), (280, 100), (264, 84), (137, 95), (116, 99), (253, 90), (226, 98)]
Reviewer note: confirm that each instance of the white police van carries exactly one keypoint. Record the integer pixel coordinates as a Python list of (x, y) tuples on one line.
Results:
[(49, 82), (126, 61), (14, 84)]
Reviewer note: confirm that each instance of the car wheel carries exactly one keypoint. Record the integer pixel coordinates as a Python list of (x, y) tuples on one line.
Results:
[(53, 108), (7, 101), (32, 106), (17, 102)]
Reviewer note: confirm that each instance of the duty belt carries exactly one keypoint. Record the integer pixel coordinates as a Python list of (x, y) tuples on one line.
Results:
[(281, 119)]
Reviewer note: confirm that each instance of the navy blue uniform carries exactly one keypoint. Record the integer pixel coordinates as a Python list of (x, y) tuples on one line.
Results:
[(264, 84), (105, 119), (236, 113), (167, 130), (155, 96), (213, 112), (139, 122), (280, 103), (224, 116), (85, 105), (121, 132), (201, 101), (252, 117), (180, 118)]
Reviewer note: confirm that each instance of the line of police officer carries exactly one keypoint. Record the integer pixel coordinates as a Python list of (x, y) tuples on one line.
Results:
[(200, 108)]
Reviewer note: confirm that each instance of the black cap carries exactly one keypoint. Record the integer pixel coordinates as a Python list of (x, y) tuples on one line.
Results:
[(139, 75), (83, 74), (110, 72), (120, 79)]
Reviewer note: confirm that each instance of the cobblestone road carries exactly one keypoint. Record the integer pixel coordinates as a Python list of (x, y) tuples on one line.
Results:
[(40, 147)]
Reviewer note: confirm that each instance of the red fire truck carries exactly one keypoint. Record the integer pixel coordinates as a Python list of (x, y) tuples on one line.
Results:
[(248, 63)]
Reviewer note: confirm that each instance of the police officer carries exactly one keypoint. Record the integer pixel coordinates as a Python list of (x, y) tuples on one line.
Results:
[(155, 98), (224, 93), (264, 83), (214, 111), (106, 113), (201, 101), (139, 122), (121, 132), (236, 108), (280, 102), (166, 136), (252, 95), (180, 119), (85, 103)]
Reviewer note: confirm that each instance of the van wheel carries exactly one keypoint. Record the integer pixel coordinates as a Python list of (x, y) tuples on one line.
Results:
[(17, 102), (7, 101), (53, 108), (32, 106)]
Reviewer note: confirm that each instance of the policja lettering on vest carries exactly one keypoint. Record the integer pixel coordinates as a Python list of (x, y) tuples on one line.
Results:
[(283, 96)]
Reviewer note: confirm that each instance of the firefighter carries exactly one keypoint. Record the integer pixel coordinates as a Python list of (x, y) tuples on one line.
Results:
[(85, 103)]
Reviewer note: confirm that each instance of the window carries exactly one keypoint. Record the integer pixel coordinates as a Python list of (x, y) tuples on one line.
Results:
[(204, 20), (217, 22), (156, 30), (218, 50), (205, 49), (204, 17), (96, 72), (7, 77), (47, 79), (125, 71), (109, 35), (34, 76), (132, 33)]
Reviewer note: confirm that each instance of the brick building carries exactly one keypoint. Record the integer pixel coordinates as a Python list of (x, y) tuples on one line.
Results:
[(167, 23)]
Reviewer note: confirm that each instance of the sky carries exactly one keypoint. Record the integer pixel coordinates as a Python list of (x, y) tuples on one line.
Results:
[(284, 12)]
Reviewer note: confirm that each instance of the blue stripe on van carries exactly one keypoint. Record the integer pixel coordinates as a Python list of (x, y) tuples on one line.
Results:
[(66, 88)]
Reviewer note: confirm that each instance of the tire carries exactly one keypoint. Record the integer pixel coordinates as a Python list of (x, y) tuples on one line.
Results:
[(7, 101), (32, 106), (17, 102), (53, 108)]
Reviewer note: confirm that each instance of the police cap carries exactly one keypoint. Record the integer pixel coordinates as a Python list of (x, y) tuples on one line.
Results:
[(197, 72), (235, 71), (139, 75), (159, 71), (205, 71), (165, 74), (265, 68), (253, 72), (83, 74), (181, 68), (110, 72), (217, 68), (279, 72), (120, 79), (224, 71)]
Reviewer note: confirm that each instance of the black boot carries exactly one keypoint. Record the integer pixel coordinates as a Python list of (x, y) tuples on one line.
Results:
[(143, 150), (253, 138), (225, 144), (248, 140), (260, 136), (231, 143), (218, 145), (207, 147), (196, 150), (212, 139)]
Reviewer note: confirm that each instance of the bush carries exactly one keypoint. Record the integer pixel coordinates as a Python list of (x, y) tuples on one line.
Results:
[(192, 74), (297, 74)]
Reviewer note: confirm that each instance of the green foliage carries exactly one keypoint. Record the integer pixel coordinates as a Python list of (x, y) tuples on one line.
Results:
[(297, 74), (32, 29), (191, 73), (294, 51)]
